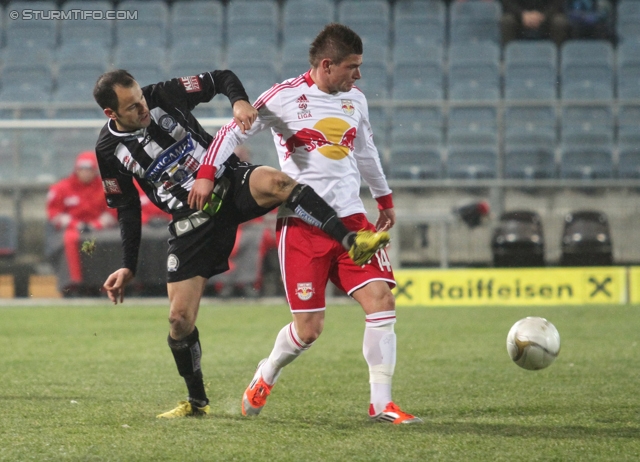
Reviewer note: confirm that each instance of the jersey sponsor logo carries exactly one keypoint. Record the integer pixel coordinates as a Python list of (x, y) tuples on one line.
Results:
[(172, 263), (306, 217), (111, 186), (334, 138), (167, 123), (302, 102), (304, 290), (347, 107), (175, 165), (190, 83)]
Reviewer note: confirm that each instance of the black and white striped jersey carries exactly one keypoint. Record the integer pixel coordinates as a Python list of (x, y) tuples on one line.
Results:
[(165, 156)]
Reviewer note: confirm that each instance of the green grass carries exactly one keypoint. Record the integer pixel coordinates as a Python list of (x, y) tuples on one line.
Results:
[(85, 383)]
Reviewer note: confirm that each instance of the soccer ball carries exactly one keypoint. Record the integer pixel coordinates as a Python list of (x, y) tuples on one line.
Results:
[(533, 343)]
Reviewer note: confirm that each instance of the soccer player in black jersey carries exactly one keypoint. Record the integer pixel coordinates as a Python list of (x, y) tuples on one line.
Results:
[(152, 137)]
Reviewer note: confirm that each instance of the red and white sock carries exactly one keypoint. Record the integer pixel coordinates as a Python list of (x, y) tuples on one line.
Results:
[(379, 349), (288, 347)]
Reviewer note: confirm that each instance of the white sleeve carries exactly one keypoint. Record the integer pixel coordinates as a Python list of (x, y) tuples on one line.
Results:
[(368, 158), (230, 136)]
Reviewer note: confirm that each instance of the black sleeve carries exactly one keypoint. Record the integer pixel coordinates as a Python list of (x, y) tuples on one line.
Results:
[(130, 221), (187, 92)]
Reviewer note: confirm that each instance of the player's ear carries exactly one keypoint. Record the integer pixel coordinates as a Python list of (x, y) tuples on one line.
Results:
[(110, 113), (325, 65)]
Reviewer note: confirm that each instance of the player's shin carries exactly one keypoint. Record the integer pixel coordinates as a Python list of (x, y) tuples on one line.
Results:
[(287, 347), (379, 349), (313, 209), (187, 354)]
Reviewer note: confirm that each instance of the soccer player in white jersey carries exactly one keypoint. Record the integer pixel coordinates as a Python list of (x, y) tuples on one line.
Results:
[(320, 125)]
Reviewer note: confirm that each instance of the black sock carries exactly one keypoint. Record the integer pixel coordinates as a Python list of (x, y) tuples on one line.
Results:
[(312, 208), (187, 354)]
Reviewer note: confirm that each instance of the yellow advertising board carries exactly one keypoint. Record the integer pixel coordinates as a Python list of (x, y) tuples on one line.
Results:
[(634, 284), (513, 286)]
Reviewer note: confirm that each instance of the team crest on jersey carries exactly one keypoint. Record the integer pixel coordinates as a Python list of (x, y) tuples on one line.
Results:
[(190, 83), (304, 290), (347, 106), (167, 123), (172, 263), (111, 186)]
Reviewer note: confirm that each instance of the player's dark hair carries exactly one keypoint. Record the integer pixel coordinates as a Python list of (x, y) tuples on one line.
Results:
[(336, 42), (104, 92)]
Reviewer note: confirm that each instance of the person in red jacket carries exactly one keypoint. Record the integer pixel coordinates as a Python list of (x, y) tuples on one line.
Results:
[(75, 205)]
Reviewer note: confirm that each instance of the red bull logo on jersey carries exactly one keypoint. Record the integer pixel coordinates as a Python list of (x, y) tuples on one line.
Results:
[(347, 107), (332, 137), (304, 290)]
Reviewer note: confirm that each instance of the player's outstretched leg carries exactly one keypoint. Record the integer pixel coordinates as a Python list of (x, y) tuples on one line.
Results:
[(288, 346), (310, 207)]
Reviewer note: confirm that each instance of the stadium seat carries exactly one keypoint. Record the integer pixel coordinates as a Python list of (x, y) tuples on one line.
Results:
[(587, 125), (374, 82), (252, 21), (150, 29), (417, 22), (530, 70), (31, 32), (303, 19), (380, 126), (629, 161), (145, 63), (193, 57), (629, 125), (474, 71), (587, 70), (628, 69), (201, 20), (417, 126), (472, 162), (27, 76), (418, 73), (67, 143), (586, 162), (411, 162), (87, 32), (369, 18), (469, 126), (294, 58), (474, 21), (627, 20), (529, 161)]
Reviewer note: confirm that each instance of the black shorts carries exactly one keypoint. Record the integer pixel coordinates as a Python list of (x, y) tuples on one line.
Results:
[(204, 251)]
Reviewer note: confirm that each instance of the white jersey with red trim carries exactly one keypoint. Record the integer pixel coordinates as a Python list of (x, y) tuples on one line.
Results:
[(323, 140)]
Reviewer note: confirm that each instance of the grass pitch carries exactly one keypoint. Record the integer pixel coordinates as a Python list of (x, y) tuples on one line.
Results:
[(84, 383)]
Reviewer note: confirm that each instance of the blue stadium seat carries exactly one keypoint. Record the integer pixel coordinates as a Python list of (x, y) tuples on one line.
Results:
[(418, 22), (374, 82), (474, 71), (586, 162), (294, 58), (27, 75), (587, 142), (628, 69), (629, 125), (531, 70), (87, 32), (530, 142), (24, 31), (198, 19), (469, 126), (418, 72), (474, 21), (417, 126), (410, 162), (193, 57), (587, 70), (472, 162), (369, 18), (627, 20), (629, 161), (303, 19), (380, 126), (145, 63), (252, 21), (151, 27), (67, 143)]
